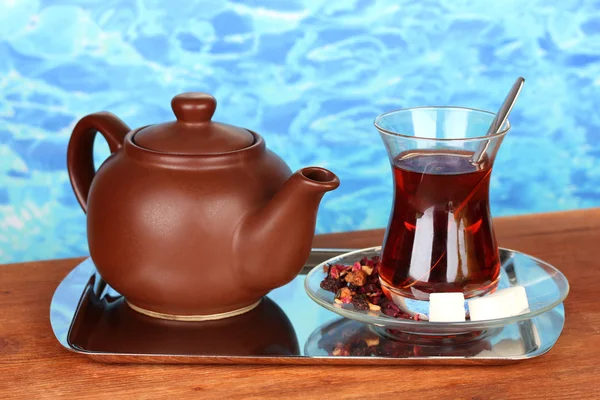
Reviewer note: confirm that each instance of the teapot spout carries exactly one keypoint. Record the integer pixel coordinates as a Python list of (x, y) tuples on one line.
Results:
[(277, 240)]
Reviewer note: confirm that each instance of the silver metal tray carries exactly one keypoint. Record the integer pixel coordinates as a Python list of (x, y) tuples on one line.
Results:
[(90, 318)]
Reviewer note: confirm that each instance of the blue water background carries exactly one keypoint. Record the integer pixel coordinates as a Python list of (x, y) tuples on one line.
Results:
[(310, 76)]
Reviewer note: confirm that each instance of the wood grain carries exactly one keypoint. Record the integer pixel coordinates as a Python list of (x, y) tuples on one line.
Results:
[(34, 365)]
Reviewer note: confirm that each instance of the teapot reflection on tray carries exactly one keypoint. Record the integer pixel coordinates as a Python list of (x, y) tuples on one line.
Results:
[(105, 324), (193, 219)]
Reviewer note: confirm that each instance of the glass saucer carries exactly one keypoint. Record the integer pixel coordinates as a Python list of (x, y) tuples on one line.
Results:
[(546, 288)]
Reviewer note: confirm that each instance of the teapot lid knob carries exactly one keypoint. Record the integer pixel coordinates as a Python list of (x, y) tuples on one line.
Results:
[(194, 132), (194, 107)]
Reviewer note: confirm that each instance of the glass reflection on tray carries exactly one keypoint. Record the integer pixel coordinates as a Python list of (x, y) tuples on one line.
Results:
[(345, 337)]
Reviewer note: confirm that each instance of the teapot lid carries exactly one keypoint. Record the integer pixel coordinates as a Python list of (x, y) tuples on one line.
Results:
[(193, 133)]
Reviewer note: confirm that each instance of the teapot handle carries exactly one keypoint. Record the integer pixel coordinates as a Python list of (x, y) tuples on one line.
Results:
[(80, 153)]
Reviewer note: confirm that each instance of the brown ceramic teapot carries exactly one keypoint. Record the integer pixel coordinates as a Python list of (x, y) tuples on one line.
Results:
[(193, 219)]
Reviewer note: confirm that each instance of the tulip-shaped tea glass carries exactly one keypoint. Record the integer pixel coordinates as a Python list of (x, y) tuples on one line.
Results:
[(440, 236)]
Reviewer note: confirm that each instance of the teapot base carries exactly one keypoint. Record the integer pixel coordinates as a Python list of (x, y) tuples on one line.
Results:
[(198, 317)]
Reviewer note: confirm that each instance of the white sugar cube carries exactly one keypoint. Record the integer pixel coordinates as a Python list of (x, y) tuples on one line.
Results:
[(509, 347), (505, 348), (504, 303), (446, 307), (517, 296)]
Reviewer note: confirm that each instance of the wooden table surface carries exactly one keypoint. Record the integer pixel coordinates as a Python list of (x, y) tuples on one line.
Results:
[(34, 365)]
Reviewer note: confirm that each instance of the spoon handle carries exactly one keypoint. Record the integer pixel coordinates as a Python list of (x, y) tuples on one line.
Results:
[(506, 106), (500, 118)]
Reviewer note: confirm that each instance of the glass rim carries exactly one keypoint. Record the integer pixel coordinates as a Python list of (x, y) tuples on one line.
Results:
[(466, 139)]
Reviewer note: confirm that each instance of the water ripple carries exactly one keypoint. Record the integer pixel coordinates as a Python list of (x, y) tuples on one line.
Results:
[(310, 76)]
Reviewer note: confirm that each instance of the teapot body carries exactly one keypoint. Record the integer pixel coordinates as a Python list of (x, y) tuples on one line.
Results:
[(165, 237)]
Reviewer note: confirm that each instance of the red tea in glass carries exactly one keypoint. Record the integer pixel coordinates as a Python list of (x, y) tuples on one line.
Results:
[(440, 236)]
